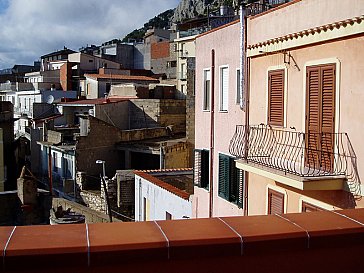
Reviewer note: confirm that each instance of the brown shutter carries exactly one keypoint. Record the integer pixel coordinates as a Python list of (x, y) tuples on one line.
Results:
[(328, 117), (320, 116), (276, 97), (275, 202), (313, 116), (306, 207)]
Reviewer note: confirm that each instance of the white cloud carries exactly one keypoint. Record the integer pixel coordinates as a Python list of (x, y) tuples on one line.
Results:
[(31, 28)]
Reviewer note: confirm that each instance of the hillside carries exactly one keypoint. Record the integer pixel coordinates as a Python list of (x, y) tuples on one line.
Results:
[(162, 20)]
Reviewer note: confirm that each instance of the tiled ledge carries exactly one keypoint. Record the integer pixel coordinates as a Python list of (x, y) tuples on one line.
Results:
[(298, 242)]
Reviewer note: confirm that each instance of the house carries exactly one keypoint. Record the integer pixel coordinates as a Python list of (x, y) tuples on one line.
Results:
[(99, 85), (301, 145), (217, 111), (163, 194)]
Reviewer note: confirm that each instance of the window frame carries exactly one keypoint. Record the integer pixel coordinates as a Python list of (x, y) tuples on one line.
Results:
[(201, 176), (238, 85), (206, 98), (222, 91)]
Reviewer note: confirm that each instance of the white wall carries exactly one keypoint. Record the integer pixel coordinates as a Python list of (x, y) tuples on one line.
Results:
[(159, 201)]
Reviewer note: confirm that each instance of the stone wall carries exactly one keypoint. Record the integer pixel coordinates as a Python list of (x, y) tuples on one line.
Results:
[(94, 200), (190, 108), (149, 113), (99, 144), (176, 156)]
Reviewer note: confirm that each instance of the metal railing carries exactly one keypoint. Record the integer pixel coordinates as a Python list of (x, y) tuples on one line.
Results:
[(323, 154), (258, 7)]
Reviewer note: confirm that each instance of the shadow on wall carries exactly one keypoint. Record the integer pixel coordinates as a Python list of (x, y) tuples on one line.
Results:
[(140, 116)]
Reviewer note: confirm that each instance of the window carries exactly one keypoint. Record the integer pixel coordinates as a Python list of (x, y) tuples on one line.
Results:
[(201, 169), (231, 180), (320, 116), (238, 79), (307, 207), (168, 216), (224, 88), (275, 202), (276, 97), (206, 89), (108, 87)]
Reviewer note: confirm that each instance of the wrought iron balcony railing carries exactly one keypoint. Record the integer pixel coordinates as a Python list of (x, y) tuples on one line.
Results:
[(297, 153)]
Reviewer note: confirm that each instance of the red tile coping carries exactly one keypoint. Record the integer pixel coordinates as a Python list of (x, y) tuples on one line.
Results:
[(307, 242), (147, 175), (121, 77), (308, 32)]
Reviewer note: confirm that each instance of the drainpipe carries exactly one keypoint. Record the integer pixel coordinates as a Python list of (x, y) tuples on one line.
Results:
[(212, 126), (161, 157), (247, 123)]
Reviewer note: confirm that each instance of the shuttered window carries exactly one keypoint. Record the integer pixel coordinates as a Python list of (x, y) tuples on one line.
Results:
[(276, 97), (320, 116), (275, 202), (201, 169), (224, 88), (206, 89), (307, 207), (231, 180)]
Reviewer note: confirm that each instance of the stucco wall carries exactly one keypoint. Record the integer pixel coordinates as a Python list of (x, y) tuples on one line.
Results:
[(330, 200), (226, 43), (159, 201), (349, 60), (294, 17)]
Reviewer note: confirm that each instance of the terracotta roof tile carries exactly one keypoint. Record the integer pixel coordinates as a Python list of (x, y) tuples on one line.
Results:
[(153, 179)]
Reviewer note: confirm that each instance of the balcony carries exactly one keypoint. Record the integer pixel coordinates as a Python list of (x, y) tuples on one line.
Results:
[(295, 158), (257, 7)]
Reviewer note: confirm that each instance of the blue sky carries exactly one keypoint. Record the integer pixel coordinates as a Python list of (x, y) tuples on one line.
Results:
[(31, 28)]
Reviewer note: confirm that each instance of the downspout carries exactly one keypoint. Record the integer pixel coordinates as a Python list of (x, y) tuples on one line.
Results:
[(247, 123), (212, 131), (50, 171)]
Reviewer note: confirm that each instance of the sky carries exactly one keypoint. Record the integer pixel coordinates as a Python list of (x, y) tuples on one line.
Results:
[(32, 28)]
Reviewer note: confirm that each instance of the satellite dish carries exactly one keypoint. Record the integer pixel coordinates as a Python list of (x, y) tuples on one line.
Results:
[(50, 99), (7, 82)]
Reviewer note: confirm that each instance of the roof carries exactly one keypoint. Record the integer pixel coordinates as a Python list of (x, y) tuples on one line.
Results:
[(65, 51), (96, 101), (152, 177), (120, 77)]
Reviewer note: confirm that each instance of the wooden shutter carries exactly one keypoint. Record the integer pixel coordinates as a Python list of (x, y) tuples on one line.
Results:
[(328, 117), (275, 202), (276, 97), (240, 196), (224, 173), (197, 169), (307, 207), (201, 168), (320, 116)]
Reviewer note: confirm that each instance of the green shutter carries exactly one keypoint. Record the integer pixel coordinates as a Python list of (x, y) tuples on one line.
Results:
[(233, 187), (224, 171), (240, 181)]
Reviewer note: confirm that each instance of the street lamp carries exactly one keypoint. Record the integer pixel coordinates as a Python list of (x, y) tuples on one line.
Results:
[(105, 188), (103, 166)]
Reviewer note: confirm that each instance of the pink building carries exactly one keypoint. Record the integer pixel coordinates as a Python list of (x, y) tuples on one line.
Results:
[(217, 112), (301, 148)]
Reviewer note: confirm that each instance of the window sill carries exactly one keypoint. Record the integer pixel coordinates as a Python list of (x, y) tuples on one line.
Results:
[(223, 111)]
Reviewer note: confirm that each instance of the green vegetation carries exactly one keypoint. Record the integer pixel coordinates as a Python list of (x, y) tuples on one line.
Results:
[(160, 21)]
